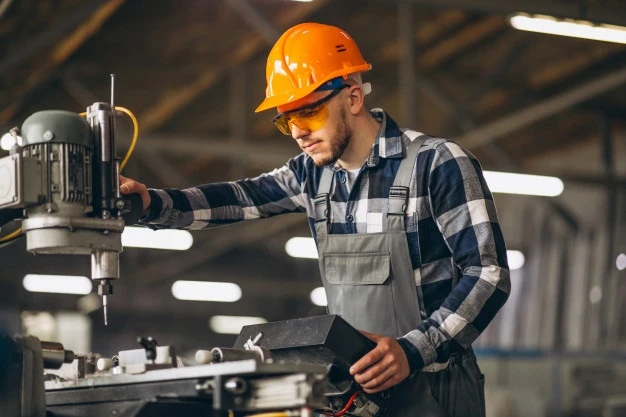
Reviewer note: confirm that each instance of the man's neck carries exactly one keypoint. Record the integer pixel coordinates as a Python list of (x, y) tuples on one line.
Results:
[(363, 136)]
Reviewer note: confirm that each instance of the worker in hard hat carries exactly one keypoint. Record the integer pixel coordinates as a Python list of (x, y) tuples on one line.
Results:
[(410, 249)]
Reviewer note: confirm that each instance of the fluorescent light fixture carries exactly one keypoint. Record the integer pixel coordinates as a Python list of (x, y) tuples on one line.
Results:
[(60, 284), (301, 247), (620, 262), (304, 247), (318, 297), (506, 182), (233, 324), (143, 237), (303, 1), (223, 292), (516, 259), (569, 27)]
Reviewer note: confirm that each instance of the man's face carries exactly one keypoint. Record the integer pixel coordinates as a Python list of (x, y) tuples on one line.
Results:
[(326, 144)]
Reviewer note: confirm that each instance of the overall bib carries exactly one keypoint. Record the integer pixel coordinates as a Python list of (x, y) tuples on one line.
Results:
[(369, 281)]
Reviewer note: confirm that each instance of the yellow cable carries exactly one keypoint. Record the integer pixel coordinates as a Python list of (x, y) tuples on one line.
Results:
[(276, 414), (11, 235), (135, 135)]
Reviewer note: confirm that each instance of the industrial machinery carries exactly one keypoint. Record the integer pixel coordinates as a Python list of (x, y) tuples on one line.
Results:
[(62, 178), (150, 382), (62, 182), (305, 376)]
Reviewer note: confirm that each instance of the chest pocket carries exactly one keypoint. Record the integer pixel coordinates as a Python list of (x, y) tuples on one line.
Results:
[(357, 268)]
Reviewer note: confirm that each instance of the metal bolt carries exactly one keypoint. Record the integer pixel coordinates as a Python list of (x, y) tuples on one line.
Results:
[(236, 386), (119, 204), (48, 135)]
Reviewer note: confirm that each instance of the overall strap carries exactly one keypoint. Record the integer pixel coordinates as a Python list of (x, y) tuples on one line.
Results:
[(399, 191), (321, 203)]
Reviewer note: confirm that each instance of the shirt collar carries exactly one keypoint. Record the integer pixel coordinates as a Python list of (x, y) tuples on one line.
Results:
[(388, 142)]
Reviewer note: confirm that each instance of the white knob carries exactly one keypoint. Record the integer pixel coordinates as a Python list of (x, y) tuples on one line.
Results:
[(104, 364), (204, 356)]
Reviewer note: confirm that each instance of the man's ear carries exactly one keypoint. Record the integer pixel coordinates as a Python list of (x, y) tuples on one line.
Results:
[(357, 97)]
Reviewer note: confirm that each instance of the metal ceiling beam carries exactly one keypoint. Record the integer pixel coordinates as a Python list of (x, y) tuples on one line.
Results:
[(597, 12), (49, 36), (252, 16), (173, 101), (238, 125), (497, 129), (160, 167), (221, 147), (406, 65), (460, 41), (571, 64), (60, 53), (4, 6)]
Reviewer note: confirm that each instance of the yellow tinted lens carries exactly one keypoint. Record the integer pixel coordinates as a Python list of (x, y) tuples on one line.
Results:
[(310, 119), (282, 123)]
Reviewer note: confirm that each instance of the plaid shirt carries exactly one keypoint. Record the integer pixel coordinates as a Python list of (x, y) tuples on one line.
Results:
[(456, 246)]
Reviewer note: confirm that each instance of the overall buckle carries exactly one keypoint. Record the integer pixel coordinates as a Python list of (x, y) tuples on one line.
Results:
[(321, 203), (398, 196)]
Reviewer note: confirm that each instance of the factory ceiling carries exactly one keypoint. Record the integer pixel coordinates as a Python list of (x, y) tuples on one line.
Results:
[(193, 72)]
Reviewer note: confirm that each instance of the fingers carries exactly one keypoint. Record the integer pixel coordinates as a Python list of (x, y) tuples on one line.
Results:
[(371, 336), (130, 186), (383, 367), (367, 360)]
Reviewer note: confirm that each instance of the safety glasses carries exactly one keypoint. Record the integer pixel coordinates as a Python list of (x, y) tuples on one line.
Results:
[(311, 117)]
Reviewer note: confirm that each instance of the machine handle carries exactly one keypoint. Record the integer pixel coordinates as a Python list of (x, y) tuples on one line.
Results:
[(133, 209)]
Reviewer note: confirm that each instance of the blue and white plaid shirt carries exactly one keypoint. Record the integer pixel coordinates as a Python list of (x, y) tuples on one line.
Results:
[(456, 246)]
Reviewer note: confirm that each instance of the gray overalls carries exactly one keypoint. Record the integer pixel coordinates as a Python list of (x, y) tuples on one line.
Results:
[(369, 281)]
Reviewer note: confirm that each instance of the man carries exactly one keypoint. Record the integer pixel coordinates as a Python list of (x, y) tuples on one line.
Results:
[(410, 249)]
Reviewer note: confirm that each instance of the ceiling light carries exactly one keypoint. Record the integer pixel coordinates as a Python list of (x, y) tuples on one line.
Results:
[(224, 292), (516, 259), (301, 247), (143, 237), (621, 262), (318, 297), (569, 27), (506, 182), (60, 284), (233, 324)]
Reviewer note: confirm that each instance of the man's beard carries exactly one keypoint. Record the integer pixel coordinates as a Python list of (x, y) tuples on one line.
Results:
[(338, 142)]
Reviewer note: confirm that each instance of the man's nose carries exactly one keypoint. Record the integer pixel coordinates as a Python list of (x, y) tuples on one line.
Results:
[(297, 132)]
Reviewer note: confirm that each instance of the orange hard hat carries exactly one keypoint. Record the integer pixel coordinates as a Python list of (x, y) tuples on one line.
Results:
[(305, 57)]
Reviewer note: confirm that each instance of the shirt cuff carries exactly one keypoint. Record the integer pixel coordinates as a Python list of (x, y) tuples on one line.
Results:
[(156, 206), (416, 363)]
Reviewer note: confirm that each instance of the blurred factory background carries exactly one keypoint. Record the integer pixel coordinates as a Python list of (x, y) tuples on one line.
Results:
[(193, 71)]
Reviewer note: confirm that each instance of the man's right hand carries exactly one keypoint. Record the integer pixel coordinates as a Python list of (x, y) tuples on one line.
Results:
[(130, 186)]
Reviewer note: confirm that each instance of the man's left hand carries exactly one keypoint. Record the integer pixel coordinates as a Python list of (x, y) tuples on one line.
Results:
[(383, 367)]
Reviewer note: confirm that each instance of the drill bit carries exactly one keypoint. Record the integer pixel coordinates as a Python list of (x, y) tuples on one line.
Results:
[(104, 308)]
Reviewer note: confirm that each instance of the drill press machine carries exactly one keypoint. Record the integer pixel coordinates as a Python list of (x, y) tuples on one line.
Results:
[(63, 181)]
